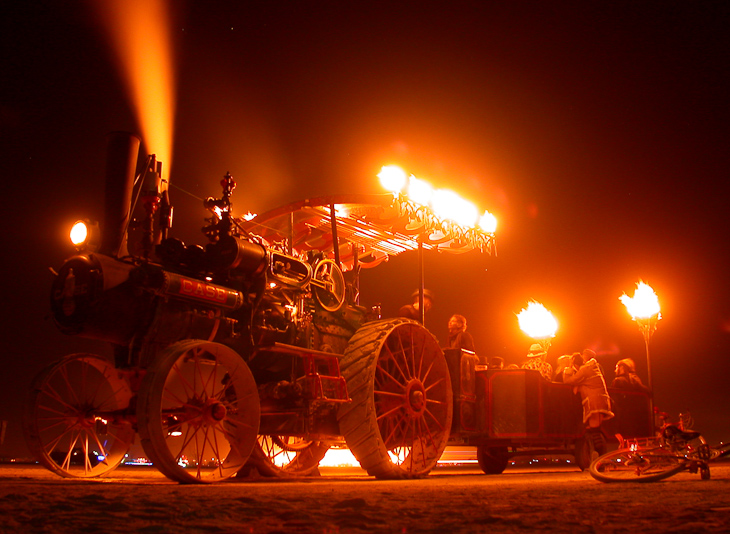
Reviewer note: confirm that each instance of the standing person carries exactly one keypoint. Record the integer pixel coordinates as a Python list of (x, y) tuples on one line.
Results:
[(564, 362), (536, 360), (459, 338), (411, 311), (588, 380), (626, 377)]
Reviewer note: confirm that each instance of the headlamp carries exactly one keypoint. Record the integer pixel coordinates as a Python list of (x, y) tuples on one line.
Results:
[(85, 235)]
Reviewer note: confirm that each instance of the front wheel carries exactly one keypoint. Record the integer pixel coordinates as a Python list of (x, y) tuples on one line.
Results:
[(626, 465), (399, 420), (198, 412), (75, 422)]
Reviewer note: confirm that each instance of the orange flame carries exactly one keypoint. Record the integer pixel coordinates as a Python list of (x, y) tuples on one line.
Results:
[(140, 35), (537, 322), (644, 304)]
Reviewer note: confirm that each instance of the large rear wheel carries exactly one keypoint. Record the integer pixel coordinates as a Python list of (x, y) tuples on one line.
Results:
[(626, 465), (399, 420), (75, 422), (198, 412)]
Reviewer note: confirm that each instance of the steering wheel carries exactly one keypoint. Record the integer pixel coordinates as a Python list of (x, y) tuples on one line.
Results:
[(329, 285)]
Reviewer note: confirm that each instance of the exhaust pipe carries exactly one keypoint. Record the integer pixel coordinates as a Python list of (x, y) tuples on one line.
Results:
[(121, 166)]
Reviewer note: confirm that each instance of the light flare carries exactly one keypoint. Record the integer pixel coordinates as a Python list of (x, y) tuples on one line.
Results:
[(644, 304), (488, 223), (79, 232), (419, 191), (392, 178), (537, 322), (339, 458), (448, 205), (140, 35)]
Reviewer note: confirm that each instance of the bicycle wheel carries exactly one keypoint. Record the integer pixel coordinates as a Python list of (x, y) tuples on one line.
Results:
[(626, 465)]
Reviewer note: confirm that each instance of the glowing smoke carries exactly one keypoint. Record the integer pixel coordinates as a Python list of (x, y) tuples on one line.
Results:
[(140, 35)]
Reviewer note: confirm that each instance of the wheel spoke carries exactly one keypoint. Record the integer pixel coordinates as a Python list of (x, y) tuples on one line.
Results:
[(71, 407), (439, 381), (412, 351), (394, 360), (388, 413), (209, 400), (435, 420), (390, 376), (408, 374), (390, 394)]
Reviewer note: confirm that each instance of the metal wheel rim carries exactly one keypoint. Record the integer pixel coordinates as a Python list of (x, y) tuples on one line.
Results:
[(411, 390), (75, 423), (626, 465), (199, 412)]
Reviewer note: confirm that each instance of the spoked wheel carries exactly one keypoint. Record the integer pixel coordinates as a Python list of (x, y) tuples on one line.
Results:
[(198, 412), (625, 465), (492, 460), (284, 456), (399, 420), (75, 423)]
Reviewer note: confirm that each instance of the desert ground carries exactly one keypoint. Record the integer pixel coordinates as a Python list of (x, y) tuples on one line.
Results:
[(450, 500)]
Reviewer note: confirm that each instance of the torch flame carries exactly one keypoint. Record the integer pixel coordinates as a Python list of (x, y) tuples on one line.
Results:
[(392, 178), (537, 322), (141, 39), (644, 304), (448, 205), (419, 191), (488, 222)]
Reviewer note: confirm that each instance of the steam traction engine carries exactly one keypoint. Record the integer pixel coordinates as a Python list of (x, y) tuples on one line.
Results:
[(249, 352)]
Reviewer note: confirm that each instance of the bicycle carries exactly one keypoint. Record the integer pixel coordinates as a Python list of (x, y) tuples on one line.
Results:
[(674, 449)]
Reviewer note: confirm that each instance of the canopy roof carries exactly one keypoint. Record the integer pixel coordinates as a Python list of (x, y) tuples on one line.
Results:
[(378, 226)]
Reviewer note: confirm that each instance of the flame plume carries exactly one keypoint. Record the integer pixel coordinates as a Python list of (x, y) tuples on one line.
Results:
[(643, 304), (140, 36), (537, 322)]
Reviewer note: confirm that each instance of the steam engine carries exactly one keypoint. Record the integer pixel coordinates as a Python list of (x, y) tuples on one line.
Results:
[(285, 315)]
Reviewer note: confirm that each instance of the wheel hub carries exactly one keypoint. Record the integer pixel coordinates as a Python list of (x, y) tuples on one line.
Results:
[(216, 412), (416, 396)]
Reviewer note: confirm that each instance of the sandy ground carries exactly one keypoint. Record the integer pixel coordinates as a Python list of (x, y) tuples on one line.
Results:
[(340, 501)]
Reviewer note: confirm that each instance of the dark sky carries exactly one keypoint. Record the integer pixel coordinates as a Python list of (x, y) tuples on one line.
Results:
[(597, 132)]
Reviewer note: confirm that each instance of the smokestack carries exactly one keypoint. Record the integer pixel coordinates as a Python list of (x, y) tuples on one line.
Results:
[(121, 165)]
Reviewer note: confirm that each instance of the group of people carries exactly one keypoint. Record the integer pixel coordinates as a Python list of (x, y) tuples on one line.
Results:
[(580, 369)]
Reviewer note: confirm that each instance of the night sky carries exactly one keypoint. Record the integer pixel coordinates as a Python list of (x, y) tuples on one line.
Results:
[(596, 132)]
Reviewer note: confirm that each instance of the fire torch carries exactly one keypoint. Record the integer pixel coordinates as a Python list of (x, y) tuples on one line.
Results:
[(538, 323), (645, 310)]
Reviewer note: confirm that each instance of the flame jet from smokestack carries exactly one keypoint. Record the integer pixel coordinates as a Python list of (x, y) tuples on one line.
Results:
[(140, 36)]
